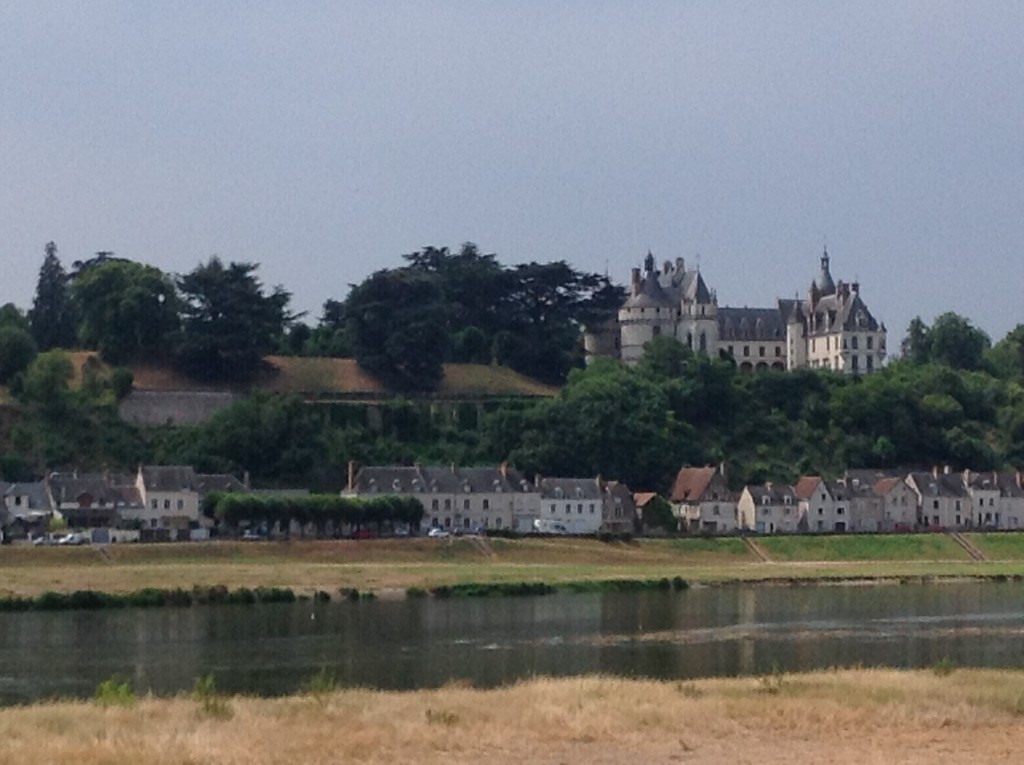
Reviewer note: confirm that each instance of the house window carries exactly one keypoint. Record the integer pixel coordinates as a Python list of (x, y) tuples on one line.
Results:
[(935, 504), (167, 504), (579, 509), (731, 352), (821, 511), (433, 504), (181, 504), (853, 342), (487, 504), (465, 523), (958, 520), (856, 358), (465, 504), (155, 504), (715, 510), (152, 522), (871, 363), (839, 511), (871, 342), (447, 523), (568, 508), (447, 504), (591, 508)]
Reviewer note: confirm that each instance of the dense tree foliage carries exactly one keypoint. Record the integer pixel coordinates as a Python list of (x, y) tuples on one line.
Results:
[(129, 310), (52, 316), (951, 340), (228, 323), (466, 307)]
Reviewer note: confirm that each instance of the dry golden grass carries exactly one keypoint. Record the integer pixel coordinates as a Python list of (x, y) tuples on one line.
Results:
[(857, 716)]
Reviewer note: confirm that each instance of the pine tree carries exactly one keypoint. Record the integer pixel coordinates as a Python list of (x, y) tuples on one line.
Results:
[(52, 315)]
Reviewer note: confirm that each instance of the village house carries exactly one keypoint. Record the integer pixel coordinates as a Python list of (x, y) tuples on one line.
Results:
[(28, 509), (575, 504), (823, 505), (942, 499), (92, 500), (768, 509), (1011, 500), (702, 502), (585, 506)]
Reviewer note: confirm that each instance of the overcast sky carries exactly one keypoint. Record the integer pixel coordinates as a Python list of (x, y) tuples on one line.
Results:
[(324, 140)]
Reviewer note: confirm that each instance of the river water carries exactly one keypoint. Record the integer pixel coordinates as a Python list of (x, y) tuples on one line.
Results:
[(273, 649)]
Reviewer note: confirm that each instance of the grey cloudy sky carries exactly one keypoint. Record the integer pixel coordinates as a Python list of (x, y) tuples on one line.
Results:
[(325, 139)]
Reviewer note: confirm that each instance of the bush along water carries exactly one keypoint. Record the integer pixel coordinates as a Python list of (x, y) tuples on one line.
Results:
[(148, 597)]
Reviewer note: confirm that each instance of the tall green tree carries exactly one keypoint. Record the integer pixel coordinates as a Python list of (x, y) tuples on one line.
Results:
[(52, 317), (228, 320), (954, 341), (1006, 358), (129, 310), (396, 324)]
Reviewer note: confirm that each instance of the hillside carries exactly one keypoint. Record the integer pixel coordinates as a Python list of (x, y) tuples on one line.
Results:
[(343, 378)]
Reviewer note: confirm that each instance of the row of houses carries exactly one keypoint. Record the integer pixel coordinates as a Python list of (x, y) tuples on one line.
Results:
[(859, 501), (158, 501), (502, 498)]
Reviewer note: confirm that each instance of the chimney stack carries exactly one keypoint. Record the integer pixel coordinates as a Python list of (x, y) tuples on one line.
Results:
[(634, 282), (504, 469)]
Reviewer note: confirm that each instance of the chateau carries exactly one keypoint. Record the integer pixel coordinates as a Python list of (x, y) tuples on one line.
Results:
[(831, 329)]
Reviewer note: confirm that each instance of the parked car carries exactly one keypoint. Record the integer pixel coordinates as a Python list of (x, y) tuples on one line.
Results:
[(251, 535), (73, 539), (363, 534), (437, 533), (43, 540)]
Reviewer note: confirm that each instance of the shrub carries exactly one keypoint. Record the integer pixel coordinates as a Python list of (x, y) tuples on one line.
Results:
[(211, 702), (121, 381), (111, 692), (944, 666), (321, 685)]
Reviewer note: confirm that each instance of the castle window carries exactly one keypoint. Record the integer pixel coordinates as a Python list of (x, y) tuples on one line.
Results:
[(778, 350), (656, 330), (760, 351), (871, 342), (746, 350), (731, 353), (853, 342), (854, 363), (703, 340), (828, 344)]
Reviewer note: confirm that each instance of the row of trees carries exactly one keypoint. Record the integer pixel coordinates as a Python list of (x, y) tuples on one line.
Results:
[(216, 321), (322, 511), (402, 325)]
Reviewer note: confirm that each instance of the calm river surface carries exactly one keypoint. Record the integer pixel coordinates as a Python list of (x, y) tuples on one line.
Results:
[(272, 649)]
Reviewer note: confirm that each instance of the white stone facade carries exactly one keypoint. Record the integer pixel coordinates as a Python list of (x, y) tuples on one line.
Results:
[(832, 329)]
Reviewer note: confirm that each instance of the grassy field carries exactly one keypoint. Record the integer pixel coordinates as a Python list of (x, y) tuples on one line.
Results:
[(306, 566), (868, 547), (849, 716)]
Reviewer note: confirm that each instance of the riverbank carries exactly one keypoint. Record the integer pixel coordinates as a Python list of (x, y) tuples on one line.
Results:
[(849, 716), (396, 565)]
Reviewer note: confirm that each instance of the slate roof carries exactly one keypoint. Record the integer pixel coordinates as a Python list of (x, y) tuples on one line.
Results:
[(446, 480), (751, 324), (776, 493), (70, 488), (943, 485), (37, 498), (168, 478), (570, 488), (650, 294)]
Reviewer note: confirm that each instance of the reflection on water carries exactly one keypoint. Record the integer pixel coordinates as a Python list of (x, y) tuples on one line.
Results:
[(273, 649)]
